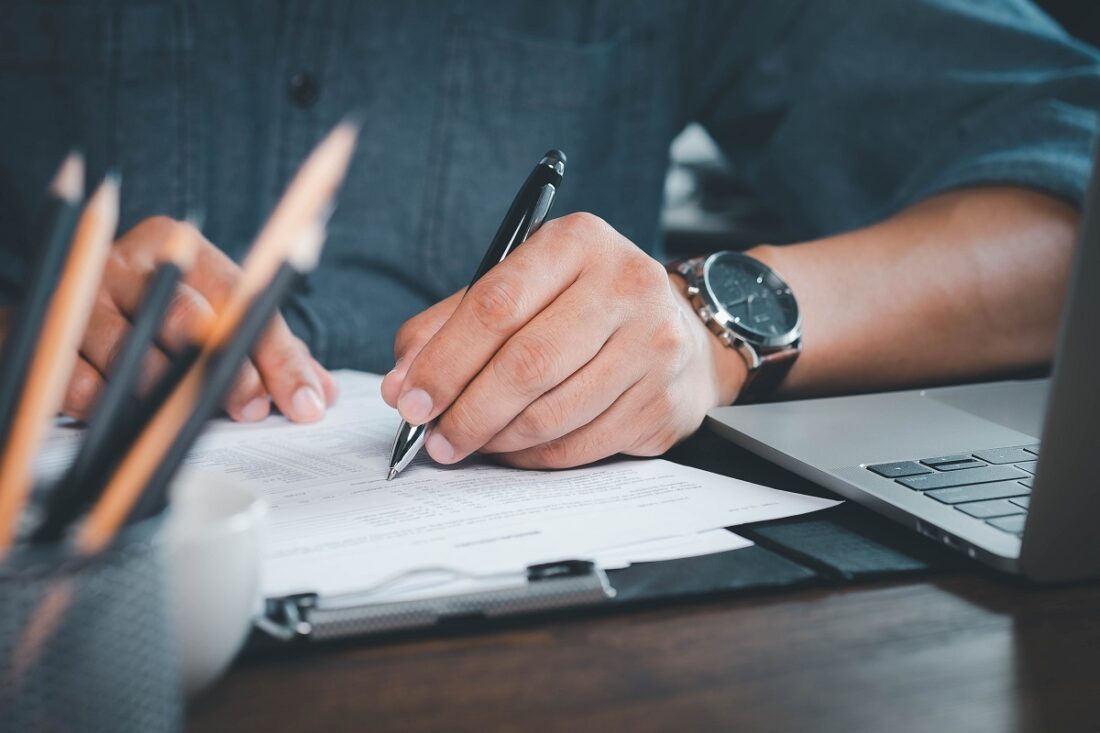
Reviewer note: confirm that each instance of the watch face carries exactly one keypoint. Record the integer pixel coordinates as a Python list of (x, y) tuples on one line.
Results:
[(757, 303)]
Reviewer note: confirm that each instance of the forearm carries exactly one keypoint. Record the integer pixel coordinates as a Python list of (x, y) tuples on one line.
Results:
[(966, 284)]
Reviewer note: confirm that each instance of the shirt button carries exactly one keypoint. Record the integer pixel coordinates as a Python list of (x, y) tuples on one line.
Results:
[(303, 89)]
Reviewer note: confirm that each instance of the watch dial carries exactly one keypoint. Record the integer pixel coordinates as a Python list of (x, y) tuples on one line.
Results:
[(758, 302)]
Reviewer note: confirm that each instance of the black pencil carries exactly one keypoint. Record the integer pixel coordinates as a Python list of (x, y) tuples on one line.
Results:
[(222, 371), (120, 412), (55, 233), (308, 196)]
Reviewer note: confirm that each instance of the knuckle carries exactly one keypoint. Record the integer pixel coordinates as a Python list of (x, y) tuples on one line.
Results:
[(662, 404), (494, 302), (284, 355), (528, 365), (668, 338), (640, 273), (408, 335), (82, 393), (159, 223), (187, 314), (582, 223), (540, 419), (557, 453), (463, 425)]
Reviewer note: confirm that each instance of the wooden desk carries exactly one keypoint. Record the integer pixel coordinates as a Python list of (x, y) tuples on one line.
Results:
[(963, 651)]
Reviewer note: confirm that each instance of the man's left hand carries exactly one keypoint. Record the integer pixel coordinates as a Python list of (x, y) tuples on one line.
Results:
[(576, 347)]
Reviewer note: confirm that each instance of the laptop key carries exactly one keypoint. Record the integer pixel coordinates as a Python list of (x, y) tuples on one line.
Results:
[(899, 469), (1005, 455), (981, 492), (941, 460), (1013, 524), (971, 463), (1028, 466), (989, 509), (965, 477), (1022, 501), (1028, 482)]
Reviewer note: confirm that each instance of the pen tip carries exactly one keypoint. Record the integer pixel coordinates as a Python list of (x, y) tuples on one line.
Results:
[(392, 474)]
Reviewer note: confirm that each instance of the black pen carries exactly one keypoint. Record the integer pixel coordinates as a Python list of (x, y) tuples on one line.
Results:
[(525, 215)]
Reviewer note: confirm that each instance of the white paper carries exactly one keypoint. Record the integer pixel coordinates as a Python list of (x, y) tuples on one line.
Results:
[(693, 544), (336, 526)]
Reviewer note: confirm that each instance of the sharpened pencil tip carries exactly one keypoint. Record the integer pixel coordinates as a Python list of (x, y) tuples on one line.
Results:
[(392, 474), (68, 184)]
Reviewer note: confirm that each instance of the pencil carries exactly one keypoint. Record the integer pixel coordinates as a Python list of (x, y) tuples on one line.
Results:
[(55, 354), (56, 231), (223, 367), (116, 420), (307, 197)]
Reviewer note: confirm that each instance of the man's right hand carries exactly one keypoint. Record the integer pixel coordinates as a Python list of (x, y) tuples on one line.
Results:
[(281, 369)]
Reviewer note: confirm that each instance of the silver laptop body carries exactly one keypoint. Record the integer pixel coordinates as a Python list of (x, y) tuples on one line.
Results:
[(963, 465)]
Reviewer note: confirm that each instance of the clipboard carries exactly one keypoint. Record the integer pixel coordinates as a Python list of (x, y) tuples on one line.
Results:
[(842, 545), (544, 587)]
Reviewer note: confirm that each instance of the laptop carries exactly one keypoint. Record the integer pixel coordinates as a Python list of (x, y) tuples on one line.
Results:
[(1007, 472)]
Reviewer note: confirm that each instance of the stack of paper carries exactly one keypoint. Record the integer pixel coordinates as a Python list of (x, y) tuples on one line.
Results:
[(337, 527)]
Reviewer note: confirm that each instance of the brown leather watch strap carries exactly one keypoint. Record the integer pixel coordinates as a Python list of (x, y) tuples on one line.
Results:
[(766, 378)]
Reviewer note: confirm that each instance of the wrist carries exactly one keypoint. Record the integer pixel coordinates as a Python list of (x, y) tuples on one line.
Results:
[(728, 370)]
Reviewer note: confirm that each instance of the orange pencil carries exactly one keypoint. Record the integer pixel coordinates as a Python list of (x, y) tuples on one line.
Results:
[(55, 354), (306, 201)]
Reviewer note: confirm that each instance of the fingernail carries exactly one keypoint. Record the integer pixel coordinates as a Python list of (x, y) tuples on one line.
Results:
[(440, 448), (415, 406), (307, 405), (257, 409)]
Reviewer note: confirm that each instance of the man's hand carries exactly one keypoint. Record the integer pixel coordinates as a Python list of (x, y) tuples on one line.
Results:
[(575, 348), (281, 368)]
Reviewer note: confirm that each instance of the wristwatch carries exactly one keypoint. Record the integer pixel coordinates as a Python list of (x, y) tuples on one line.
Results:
[(751, 310)]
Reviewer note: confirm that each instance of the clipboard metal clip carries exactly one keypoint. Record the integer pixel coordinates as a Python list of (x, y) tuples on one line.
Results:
[(556, 585)]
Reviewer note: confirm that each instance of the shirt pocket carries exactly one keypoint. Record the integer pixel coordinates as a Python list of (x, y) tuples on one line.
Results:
[(507, 98)]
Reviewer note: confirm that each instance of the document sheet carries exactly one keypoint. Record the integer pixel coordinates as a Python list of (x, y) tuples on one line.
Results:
[(336, 526)]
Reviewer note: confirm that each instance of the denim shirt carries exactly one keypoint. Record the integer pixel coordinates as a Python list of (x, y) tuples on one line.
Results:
[(835, 114)]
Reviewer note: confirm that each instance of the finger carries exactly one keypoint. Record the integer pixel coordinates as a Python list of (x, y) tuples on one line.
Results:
[(329, 386), (186, 322), (557, 342), (85, 386), (289, 373), (411, 337), (124, 283), (497, 306), (248, 399), (617, 430), (213, 274), (577, 401), (105, 338)]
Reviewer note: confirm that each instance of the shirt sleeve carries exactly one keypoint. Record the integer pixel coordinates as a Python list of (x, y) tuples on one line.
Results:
[(839, 114)]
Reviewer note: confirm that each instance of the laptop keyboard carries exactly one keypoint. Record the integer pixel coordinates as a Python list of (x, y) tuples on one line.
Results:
[(993, 486)]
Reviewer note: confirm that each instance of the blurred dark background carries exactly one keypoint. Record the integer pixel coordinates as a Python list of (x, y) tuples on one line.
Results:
[(705, 210)]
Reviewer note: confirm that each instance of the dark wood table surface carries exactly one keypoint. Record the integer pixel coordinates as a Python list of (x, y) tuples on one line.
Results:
[(950, 651)]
